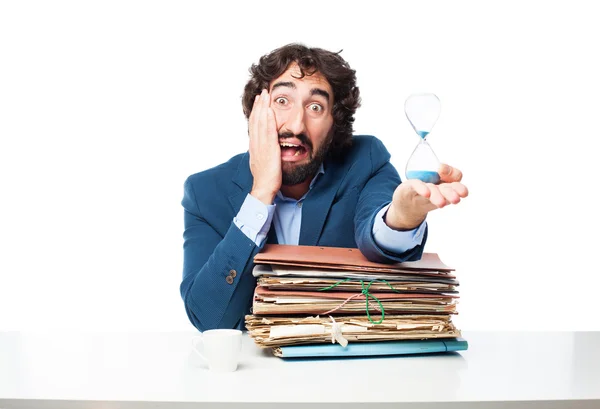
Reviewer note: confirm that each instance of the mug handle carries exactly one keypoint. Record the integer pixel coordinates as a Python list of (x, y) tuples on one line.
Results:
[(194, 343)]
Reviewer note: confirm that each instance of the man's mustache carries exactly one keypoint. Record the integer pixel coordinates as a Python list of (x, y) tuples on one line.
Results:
[(301, 137)]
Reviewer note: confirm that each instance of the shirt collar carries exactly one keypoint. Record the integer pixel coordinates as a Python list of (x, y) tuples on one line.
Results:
[(320, 172)]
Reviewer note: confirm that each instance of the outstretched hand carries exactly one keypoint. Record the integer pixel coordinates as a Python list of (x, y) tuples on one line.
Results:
[(413, 199)]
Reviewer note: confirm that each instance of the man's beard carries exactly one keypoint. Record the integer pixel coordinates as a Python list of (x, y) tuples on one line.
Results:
[(300, 173)]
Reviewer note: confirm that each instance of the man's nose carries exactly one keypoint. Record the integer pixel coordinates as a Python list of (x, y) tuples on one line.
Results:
[(295, 121)]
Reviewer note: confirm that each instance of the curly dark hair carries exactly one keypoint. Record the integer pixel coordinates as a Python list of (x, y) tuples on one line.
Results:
[(346, 95)]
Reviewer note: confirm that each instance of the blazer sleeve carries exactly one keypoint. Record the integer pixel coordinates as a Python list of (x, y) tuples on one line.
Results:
[(377, 193), (212, 300)]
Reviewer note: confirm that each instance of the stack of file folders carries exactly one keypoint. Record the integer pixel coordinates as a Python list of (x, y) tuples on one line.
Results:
[(313, 301)]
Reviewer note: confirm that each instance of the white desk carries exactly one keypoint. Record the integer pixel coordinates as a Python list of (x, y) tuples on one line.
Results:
[(159, 370)]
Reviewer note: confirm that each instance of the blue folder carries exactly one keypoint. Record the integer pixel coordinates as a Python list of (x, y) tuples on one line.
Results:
[(404, 347)]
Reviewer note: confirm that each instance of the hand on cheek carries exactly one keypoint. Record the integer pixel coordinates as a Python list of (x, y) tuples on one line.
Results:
[(265, 153)]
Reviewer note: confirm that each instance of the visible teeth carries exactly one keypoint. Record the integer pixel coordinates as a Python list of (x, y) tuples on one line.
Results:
[(297, 153), (288, 145)]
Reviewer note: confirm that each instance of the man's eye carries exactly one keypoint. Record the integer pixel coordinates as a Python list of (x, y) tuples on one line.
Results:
[(315, 107), (281, 100)]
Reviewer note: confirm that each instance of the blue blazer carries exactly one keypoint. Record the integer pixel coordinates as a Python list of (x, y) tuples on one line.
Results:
[(337, 212)]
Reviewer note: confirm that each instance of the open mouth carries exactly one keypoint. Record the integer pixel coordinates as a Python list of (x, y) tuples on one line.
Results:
[(292, 152)]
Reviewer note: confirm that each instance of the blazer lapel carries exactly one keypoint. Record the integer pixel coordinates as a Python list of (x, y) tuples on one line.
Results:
[(243, 178), (317, 204)]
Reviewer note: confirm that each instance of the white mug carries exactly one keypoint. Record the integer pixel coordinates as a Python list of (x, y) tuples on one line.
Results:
[(221, 348)]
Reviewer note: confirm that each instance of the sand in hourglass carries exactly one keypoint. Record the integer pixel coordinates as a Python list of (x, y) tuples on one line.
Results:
[(422, 111)]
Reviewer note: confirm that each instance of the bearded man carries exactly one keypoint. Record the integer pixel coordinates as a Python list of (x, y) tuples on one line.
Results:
[(305, 180)]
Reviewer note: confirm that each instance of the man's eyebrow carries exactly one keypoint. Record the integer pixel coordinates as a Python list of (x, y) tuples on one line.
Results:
[(283, 84), (321, 92)]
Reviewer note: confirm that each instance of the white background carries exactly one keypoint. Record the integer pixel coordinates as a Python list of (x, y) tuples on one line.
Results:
[(106, 107)]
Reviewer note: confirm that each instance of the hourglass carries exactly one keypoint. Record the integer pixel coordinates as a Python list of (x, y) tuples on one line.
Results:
[(422, 111)]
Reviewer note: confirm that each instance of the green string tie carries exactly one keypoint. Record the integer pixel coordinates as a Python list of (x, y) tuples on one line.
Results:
[(367, 294)]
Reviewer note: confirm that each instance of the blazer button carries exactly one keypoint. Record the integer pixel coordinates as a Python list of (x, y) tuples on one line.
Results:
[(229, 279), (232, 273)]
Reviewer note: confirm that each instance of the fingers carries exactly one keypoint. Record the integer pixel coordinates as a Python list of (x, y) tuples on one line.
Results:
[(436, 197), (427, 193), (452, 193), (258, 125), (419, 187), (439, 195), (262, 116), (271, 125), (449, 174), (460, 189), (251, 119), (451, 188), (450, 196)]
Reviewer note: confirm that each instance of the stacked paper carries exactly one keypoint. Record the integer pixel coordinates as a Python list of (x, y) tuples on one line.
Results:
[(309, 295)]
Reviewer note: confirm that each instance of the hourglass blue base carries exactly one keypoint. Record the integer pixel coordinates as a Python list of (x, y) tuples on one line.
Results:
[(426, 176)]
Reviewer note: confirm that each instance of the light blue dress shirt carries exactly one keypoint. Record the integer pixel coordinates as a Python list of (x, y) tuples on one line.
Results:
[(254, 220)]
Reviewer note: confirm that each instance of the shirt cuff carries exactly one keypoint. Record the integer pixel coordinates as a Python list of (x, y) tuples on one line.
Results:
[(396, 241), (254, 219)]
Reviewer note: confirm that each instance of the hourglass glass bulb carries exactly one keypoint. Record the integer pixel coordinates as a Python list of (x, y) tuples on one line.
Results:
[(422, 111), (423, 164)]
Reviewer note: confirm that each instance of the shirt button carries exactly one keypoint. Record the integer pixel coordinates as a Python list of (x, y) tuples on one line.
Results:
[(299, 204), (232, 273), (260, 216), (229, 279)]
